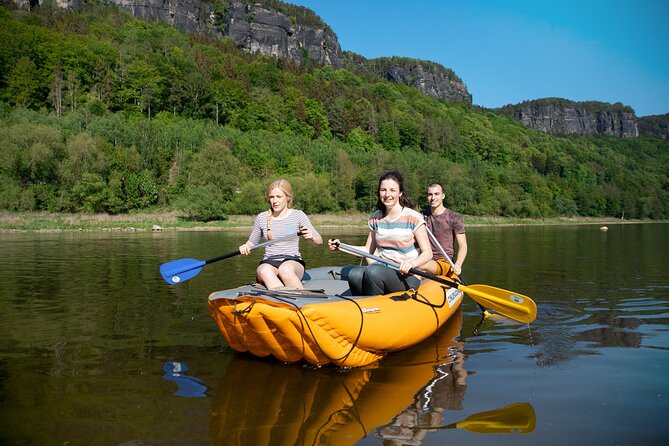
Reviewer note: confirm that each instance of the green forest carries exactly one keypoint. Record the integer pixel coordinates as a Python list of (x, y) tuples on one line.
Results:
[(101, 112)]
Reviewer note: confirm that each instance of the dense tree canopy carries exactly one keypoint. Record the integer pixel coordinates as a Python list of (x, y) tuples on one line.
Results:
[(103, 112)]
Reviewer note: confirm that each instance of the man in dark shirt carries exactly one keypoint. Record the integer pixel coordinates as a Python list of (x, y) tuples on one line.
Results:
[(447, 227)]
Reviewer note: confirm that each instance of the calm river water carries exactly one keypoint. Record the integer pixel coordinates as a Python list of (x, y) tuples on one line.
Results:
[(95, 349)]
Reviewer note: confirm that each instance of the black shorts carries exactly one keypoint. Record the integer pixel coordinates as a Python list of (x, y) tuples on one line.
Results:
[(277, 261)]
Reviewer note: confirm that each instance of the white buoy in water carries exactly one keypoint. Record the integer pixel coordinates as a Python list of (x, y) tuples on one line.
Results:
[(604, 228)]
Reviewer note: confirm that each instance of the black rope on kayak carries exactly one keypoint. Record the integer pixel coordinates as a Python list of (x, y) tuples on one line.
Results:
[(424, 300), (248, 309), (304, 321)]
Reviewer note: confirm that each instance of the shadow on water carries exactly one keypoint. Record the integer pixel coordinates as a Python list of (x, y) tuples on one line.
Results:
[(411, 394)]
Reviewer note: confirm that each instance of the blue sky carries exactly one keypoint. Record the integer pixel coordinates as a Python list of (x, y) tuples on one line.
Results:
[(507, 51)]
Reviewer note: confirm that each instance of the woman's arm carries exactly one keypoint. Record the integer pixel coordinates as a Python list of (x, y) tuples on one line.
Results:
[(311, 235), (254, 237), (307, 229), (425, 251), (370, 244)]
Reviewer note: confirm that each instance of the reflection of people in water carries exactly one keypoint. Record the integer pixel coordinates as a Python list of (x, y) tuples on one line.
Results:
[(445, 392), (189, 386)]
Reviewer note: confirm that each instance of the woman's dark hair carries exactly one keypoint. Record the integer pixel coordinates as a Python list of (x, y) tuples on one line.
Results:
[(405, 201)]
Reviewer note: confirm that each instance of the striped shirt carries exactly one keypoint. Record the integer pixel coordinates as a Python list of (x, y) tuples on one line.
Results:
[(280, 227), (395, 238)]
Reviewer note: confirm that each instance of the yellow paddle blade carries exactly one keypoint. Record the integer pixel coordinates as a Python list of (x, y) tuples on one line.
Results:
[(518, 418), (508, 303)]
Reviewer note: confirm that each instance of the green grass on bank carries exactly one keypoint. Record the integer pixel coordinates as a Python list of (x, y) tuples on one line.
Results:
[(54, 222)]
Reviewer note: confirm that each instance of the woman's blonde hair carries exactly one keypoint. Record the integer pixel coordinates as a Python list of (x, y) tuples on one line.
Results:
[(285, 187)]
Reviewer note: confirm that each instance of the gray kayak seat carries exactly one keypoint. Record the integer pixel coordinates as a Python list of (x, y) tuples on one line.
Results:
[(330, 279), (320, 284)]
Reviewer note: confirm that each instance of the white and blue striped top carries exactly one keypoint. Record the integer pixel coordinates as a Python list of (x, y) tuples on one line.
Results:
[(395, 239)]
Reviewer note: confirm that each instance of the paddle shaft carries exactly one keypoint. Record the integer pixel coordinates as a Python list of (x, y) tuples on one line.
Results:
[(395, 266), (259, 245), (178, 271), (443, 253), (441, 249), (507, 303)]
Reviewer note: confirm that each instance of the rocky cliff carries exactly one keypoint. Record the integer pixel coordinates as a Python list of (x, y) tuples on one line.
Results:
[(267, 27), (655, 125), (293, 32), (427, 77), (286, 31), (564, 117)]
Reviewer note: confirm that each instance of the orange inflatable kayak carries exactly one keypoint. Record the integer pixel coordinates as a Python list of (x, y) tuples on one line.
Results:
[(323, 324)]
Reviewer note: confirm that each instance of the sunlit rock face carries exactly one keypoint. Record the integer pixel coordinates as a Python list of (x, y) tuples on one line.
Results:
[(564, 117), (429, 78), (654, 125), (260, 29), (253, 26)]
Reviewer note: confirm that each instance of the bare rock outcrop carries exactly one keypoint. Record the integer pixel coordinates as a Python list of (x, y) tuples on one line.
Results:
[(430, 78), (563, 117), (267, 27), (654, 125)]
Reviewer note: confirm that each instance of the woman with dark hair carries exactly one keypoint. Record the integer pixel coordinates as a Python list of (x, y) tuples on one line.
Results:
[(397, 233)]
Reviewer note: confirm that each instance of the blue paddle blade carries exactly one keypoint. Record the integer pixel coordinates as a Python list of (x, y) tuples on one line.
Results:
[(178, 271)]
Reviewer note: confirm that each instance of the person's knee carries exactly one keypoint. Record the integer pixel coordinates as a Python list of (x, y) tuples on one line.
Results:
[(376, 272), (356, 274), (432, 267), (265, 270), (375, 279), (287, 271), (355, 277)]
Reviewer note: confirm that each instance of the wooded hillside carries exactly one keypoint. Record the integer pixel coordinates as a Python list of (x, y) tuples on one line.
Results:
[(103, 112)]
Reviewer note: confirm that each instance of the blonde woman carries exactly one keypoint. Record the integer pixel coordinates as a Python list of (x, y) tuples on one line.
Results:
[(282, 265)]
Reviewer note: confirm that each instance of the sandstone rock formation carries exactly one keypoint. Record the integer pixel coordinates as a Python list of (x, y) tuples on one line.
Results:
[(293, 32), (429, 78), (564, 117), (252, 25), (258, 28), (654, 125)]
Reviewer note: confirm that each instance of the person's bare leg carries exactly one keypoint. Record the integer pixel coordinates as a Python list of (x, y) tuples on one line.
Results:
[(269, 276), (430, 267), (291, 273)]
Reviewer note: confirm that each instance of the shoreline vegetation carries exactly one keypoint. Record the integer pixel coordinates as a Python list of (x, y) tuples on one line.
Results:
[(173, 221)]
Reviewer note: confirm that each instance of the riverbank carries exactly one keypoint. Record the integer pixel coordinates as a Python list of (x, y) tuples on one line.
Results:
[(172, 221)]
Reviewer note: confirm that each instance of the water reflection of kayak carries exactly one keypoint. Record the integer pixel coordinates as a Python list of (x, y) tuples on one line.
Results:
[(324, 324), (265, 402), (404, 399)]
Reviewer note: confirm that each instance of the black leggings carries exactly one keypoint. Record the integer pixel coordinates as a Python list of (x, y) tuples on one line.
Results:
[(376, 279)]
